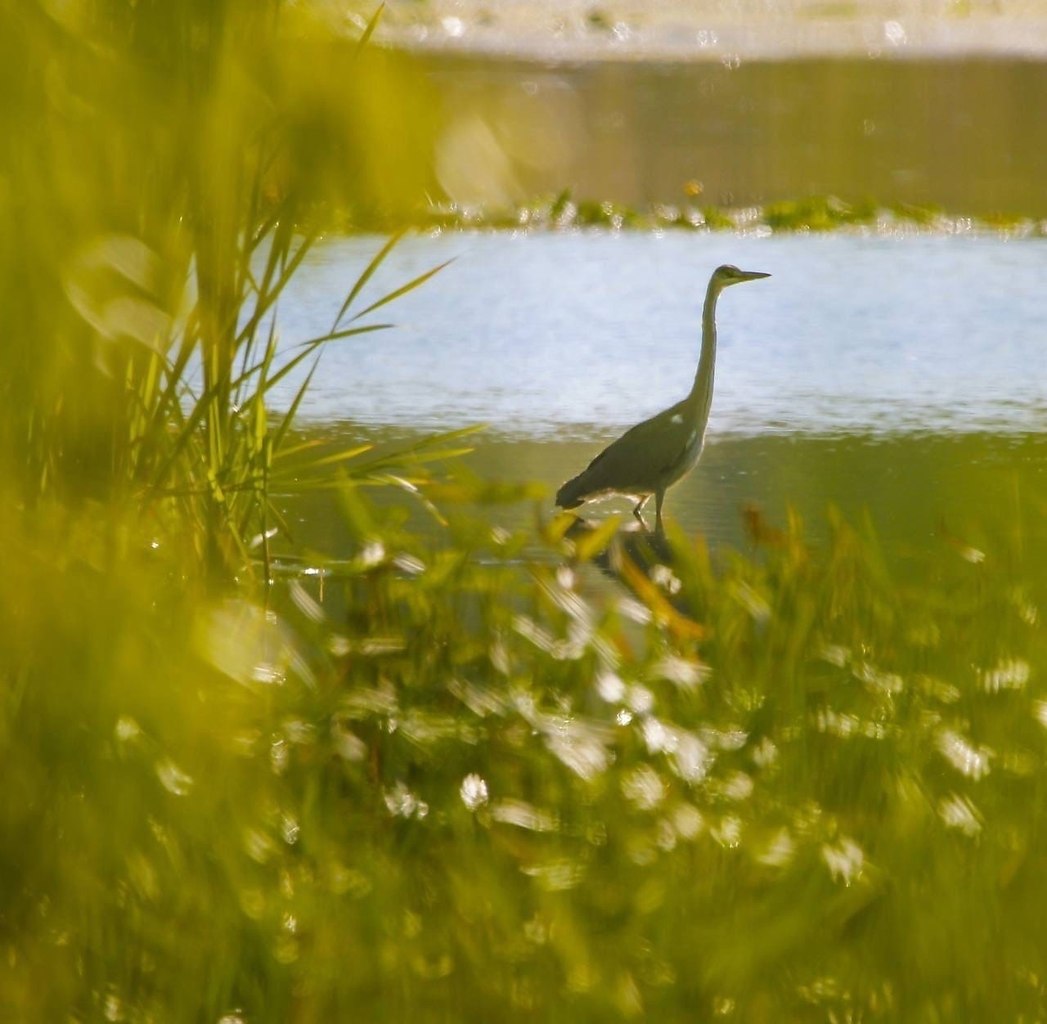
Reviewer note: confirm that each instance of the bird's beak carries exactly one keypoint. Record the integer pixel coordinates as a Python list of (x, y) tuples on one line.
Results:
[(751, 275)]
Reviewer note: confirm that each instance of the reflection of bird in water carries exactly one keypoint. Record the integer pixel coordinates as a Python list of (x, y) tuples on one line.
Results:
[(644, 549), (650, 457)]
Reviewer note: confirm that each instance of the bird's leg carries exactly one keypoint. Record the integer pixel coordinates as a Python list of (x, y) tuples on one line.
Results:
[(638, 511), (658, 499)]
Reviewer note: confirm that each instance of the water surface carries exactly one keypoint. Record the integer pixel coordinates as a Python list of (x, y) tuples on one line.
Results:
[(578, 334), (965, 134), (899, 376)]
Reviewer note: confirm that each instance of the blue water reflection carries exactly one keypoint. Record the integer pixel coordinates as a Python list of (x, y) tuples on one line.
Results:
[(576, 334)]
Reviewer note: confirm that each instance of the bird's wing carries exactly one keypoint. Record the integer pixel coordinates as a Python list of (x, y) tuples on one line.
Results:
[(642, 455)]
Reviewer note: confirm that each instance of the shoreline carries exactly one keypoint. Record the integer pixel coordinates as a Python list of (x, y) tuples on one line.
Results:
[(731, 46), (571, 31)]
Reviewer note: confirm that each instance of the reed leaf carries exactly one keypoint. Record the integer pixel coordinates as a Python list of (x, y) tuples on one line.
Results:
[(404, 289), (368, 31), (365, 276)]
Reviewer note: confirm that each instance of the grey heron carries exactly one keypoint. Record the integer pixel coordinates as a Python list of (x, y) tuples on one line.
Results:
[(652, 456)]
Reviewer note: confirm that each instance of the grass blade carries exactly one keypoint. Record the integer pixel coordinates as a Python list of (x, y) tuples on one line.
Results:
[(404, 289), (369, 30), (369, 270), (289, 416)]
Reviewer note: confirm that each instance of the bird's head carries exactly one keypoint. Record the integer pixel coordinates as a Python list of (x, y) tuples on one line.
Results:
[(729, 274)]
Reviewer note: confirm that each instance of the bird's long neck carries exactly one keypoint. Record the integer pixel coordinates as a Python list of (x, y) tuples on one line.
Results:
[(701, 397)]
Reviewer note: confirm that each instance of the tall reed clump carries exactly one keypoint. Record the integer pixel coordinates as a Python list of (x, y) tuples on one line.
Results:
[(167, 168)]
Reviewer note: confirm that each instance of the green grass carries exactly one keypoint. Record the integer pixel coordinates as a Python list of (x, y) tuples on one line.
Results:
[(458, 776), (783, 785), (167, 169)]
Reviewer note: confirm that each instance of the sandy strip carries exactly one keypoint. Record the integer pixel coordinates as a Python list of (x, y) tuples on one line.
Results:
[(722, 30)]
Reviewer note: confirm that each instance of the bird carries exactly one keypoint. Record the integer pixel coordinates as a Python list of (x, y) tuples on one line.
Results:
[(652, 456)]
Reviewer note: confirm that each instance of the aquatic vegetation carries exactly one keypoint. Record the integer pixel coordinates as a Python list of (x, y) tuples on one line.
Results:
[(807, 213), (817, 213), (451, 778)]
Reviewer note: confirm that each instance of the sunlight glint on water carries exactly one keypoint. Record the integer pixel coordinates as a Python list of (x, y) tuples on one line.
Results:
[(573, 334)]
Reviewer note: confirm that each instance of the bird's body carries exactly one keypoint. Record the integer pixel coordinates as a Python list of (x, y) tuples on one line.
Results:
[(650, 457), (616, 470)]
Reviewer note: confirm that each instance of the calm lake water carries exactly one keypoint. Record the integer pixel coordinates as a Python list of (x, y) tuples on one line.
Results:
[(903, 376), (569, 335)]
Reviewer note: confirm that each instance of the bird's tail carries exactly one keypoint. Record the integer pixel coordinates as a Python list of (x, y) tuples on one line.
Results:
[(569, 496)]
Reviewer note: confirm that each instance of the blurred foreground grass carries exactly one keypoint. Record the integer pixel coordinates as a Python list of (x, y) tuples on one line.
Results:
[(762, 788), (784, 788)]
